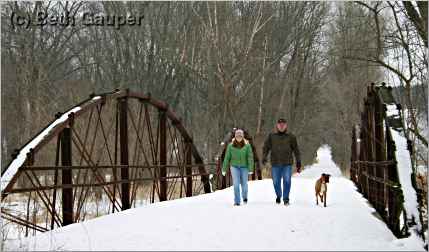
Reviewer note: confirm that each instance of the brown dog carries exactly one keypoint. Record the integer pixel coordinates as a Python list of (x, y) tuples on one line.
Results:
[(321, 188)]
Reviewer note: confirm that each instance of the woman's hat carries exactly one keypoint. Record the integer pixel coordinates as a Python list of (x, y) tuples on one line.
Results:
[(239, 132)]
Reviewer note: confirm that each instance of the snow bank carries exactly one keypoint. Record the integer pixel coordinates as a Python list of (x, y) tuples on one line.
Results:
[(392, 111), (404, 170), (404, 166), (324, 164), (20, 159)]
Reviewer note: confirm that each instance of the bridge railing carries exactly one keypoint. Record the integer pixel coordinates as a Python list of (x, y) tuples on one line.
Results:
[(373, 163), (155, 169), (45, 190)]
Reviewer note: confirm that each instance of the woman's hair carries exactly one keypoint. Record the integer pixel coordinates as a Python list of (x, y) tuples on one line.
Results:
[(238, 144)]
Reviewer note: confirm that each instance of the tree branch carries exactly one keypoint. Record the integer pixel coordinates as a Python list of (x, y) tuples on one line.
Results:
[(416, 19)]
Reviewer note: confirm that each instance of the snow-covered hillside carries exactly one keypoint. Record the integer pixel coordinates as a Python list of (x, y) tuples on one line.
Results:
[(211, 222)]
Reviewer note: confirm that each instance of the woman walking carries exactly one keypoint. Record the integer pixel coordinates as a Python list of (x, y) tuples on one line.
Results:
[(239, 156)]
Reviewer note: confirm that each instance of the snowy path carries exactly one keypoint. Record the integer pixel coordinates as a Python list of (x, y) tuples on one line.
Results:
[(211, 222)]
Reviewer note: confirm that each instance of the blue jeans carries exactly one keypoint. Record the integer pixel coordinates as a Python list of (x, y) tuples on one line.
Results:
[(239, 177), (280, 172)]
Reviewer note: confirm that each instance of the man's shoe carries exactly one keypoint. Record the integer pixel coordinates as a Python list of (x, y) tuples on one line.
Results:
[(236, 204), (278, 200), (286, 202), (245, 201)]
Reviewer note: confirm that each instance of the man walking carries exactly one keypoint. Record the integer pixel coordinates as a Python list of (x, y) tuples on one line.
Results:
[(281, 145)]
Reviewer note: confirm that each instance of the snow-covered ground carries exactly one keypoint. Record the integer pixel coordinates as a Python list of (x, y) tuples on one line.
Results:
[(211, 222), (323, 164)]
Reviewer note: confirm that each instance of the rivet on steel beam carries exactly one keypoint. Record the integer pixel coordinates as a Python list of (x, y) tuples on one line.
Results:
[(30, 156), (91, 95), (58, 115), (71, 119)]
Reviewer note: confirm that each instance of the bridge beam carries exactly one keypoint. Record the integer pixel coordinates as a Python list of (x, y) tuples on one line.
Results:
[(162, 155), (123, 132), (66, 178), (188, 169)]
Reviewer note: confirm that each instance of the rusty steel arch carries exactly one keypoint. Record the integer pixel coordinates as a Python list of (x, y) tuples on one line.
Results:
[(103, 155)]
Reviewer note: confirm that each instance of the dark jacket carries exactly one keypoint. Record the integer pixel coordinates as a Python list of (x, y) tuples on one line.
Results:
[(281, 146)]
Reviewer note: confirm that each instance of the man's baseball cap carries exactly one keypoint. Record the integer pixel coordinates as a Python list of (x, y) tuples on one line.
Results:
[(281, 120)]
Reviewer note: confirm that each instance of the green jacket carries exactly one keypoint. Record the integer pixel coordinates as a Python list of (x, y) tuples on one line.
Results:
[(235, 156)]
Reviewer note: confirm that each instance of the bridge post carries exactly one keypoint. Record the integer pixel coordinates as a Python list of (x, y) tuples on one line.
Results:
[(380, 155), (162, 155), (370, 146), (394, 200), (54, 196), (66, 178), (353, 173), (364, 154), (123, 131), (188, 170)]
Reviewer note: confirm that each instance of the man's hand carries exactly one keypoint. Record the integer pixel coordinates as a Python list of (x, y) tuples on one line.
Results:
[(223, 173), (298, 166)]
